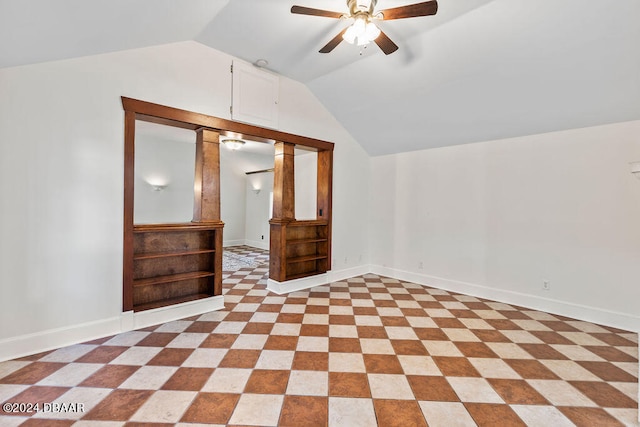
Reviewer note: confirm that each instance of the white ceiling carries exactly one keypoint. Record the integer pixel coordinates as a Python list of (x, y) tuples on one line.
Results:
[(478, 70)]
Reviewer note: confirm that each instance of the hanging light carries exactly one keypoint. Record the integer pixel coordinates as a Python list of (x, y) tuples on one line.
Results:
[(361, 32)]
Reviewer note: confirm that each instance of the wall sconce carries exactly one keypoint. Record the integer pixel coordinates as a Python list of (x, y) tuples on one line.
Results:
[(157, 183), (635, 169), (158, 187), (233, 143), (256, 190)]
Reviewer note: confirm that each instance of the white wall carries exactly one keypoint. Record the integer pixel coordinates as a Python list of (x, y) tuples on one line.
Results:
[(165, 162), (497, 218), (232, 198), (258, 209), (61, 179), (306, 185)]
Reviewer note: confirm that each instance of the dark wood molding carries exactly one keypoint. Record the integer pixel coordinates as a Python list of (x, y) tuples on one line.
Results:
[(207, 176), (190, 120), (283, 182), (129, 178)]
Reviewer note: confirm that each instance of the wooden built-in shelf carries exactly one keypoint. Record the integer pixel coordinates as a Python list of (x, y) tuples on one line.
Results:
[(303, 241), (170, 278), (165, 254), (305, 258)]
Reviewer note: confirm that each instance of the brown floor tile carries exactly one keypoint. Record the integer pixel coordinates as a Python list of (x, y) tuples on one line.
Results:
[(270, 308), (543, 352), (503, 324), (614, 339), (251, 299), (157, 339), (475, 349), (551, 337), (604, 395), (236, 316), (211, 408), (414, 312), (109, 376), (491, 415), (608, 372), (188, 379), (202, 327), (32, 373), (295, 300), (531, 369), (381, 302), (98, 341), (339, 319), (464, 314), (290, 318), (394, 321), (258, 328), (219, 341), (365, 311), (240, 359), (517, 392), (430, 304), (335, 302), (476, 305), (120, 405), (409, 347), (314, 330), (399, 413), (34, 357), (514, 314), (449, 323), (371, 332), (102, 354), (455, 366), (589, 417), (310, 361), (431, 334), (171, 357), (445, 297), (432, 388), (304, 411), (382, 364), (317, 309), (281, 342), (36, 422), (267, 381), (348, 384), (559, 326), (37, 394), (611, 354), (486, 335), (344, 345)]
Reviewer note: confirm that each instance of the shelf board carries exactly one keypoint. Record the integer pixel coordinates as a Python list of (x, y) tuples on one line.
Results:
[(172, 278), (190, 226), (150, 255), (305, 258), (167, 302), (303, 241)]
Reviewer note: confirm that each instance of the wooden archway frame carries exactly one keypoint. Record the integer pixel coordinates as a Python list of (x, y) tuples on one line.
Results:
[(297, 248)]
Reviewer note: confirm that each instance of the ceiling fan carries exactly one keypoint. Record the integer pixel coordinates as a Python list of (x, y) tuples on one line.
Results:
[(364, 30)]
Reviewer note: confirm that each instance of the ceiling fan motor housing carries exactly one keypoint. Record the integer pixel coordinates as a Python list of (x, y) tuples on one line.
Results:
[(361, 6)]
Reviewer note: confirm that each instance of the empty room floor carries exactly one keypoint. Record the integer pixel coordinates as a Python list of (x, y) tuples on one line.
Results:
[(365, 351)]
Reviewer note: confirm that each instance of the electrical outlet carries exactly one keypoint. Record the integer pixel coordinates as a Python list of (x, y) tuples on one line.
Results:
[(546, 285), (263, 237), (420, 265)]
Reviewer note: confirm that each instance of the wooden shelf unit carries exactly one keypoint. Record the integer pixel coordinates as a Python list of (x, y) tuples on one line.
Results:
[(175, 262), (304, 250)]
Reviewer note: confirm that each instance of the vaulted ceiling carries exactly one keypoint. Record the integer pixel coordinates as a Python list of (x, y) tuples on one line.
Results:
[(478, 70)]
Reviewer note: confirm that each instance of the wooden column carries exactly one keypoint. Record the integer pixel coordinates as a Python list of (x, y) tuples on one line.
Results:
[(129, 179), (283, 182), (206, 207), (283, 209), (324, 194)]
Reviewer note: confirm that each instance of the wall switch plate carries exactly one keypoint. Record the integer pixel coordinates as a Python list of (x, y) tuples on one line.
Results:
[(546, 285)]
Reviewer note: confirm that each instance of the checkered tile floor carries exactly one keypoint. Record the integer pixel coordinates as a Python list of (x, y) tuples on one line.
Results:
[(359, 352)]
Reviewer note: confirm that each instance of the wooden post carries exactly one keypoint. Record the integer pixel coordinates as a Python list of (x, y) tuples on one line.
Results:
[(129, 179), (283, 182), (206, 207), (324, 194)]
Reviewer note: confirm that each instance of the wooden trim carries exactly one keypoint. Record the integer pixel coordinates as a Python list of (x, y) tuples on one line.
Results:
[(129, 178), (206, 187), (325, 193), (284, 182), (189, 226), (190, 120)]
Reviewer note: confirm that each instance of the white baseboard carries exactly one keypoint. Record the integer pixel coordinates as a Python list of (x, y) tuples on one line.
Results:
[(335, 275), (228, 243), (297, 284), (38, 342), (24, 345), (577, 311), (260, 244), (170, 313)]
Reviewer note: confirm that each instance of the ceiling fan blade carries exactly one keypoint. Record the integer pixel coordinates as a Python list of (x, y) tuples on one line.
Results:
[(333, 43), (411, 11), (385, 43), (315, 12)]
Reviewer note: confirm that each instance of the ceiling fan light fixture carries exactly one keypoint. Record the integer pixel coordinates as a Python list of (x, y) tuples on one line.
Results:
[(361, 32)]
